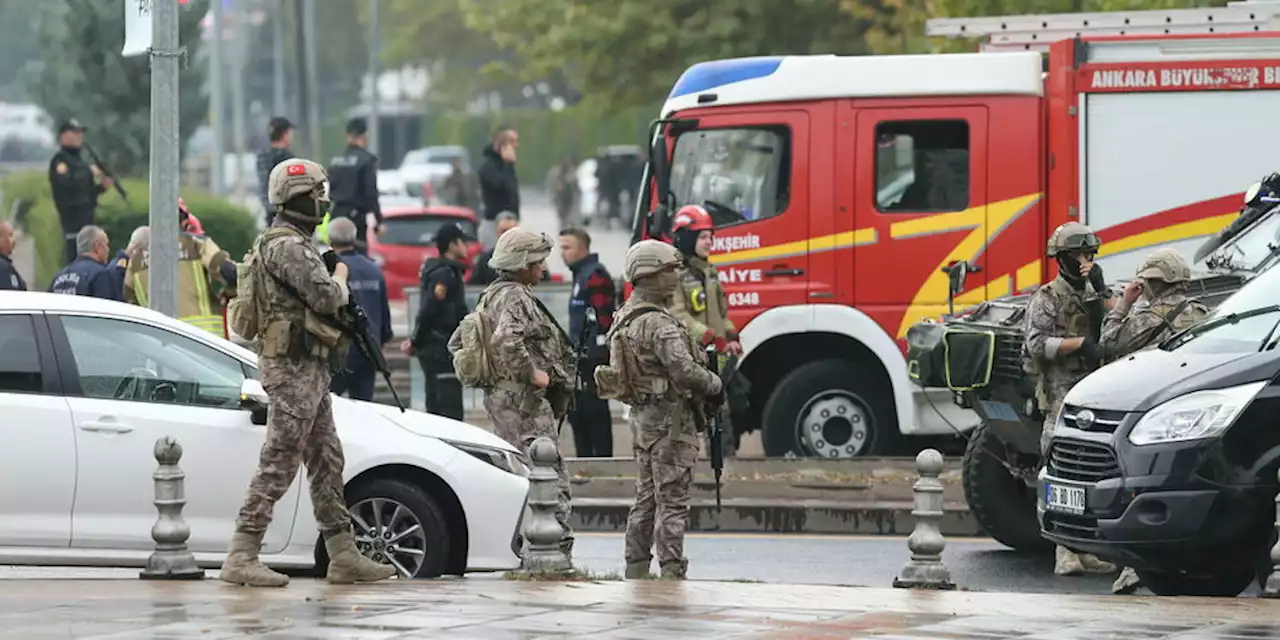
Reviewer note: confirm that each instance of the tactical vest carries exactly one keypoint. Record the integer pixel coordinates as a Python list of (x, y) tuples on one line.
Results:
[(1072, 320), (1189, 311), (194, 299)]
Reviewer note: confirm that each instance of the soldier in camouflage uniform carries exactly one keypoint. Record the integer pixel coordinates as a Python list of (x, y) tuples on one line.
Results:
[(532, 355), (293, 364), (659, 370), (1162, 282), (1060, 348)]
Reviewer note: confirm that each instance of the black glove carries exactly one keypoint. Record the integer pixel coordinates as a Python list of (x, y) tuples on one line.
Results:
[(1090, 350), (330, 260), (1097, 280), (714, 402)]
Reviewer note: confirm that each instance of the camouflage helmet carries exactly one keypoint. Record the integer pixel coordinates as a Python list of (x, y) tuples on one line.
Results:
[(648, 257), (296, 177), (519, 248), (1165, 264), (1072, 236)]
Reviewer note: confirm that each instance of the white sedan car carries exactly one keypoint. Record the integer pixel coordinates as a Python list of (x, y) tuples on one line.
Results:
[(87, 386)]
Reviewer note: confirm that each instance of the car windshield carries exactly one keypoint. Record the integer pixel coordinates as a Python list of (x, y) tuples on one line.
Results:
[(420, 230), (1254, 303), (1252, 247)]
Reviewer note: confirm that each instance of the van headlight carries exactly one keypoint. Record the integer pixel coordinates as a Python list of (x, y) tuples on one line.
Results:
[(508, 461), (1195, 416)]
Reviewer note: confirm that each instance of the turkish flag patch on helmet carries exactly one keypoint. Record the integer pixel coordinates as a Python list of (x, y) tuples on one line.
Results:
[(296, 170)]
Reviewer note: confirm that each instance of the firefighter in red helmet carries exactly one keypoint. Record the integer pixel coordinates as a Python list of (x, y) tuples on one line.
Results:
[(699, 300)]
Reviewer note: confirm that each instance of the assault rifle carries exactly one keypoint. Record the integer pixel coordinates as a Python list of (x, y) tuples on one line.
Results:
[(579, 357), (107, 172), (716, 433), (353, 322)]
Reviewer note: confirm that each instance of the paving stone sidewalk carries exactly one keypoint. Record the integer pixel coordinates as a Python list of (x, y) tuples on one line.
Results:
[(488, 607)]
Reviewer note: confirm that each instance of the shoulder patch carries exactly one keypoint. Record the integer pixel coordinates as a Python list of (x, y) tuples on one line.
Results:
[(61, 168), (440, 291)]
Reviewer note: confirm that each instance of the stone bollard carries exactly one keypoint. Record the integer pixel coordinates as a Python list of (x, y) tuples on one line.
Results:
[(925, 569), (541, 529), (1272, 588), (171, 559)]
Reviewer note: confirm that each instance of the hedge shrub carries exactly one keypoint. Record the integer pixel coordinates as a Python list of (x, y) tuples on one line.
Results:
[(232, 227)]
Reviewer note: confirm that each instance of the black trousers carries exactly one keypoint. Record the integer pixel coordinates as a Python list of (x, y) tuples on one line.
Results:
[(592, 422), (356, 380), (443, 390)]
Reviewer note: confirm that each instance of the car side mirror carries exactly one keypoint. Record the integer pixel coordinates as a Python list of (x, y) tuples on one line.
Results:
[(253, 398)]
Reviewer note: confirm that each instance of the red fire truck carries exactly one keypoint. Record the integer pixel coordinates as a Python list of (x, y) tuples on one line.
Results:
[(843, 186)]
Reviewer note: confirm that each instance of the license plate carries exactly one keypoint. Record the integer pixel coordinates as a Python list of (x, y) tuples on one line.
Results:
[(1064, 498)]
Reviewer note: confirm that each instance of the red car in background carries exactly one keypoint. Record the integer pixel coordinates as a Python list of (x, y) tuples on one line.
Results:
[(408, 239)]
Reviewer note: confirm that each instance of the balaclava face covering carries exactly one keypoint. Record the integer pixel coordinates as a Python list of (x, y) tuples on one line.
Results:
[(305, 212), (687, 242), (1069, 267), (659, 284)]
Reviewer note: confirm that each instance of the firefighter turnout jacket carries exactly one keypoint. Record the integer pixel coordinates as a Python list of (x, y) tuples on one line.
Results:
[(200, 259)]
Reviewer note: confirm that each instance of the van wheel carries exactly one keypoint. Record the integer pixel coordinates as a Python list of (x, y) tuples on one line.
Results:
[(831, 409), (1003, 505), (399, 524), (1230, 581)]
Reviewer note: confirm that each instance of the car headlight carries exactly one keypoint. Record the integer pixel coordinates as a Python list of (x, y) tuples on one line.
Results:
[(508, 461), (1198, 415)]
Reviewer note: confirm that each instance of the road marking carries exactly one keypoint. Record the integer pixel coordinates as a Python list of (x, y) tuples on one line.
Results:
[(779, 536)]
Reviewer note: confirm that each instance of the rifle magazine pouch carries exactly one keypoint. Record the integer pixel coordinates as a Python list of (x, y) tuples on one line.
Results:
[(926, 357), (970, 357), (327, 334), (277, 339), (608, 382)]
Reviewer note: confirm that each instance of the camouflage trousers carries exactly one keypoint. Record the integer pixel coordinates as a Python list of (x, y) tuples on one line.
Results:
[(661, 509), (300, 430), (521, 418), (1046, 430)]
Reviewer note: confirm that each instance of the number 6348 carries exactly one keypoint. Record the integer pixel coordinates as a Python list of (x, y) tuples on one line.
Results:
[(744, 299)]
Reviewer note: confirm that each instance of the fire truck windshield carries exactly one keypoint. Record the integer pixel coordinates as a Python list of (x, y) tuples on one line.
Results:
[(738, 174)]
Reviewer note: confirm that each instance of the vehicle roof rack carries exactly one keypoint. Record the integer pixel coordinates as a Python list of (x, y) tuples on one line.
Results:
[(1037, 32)]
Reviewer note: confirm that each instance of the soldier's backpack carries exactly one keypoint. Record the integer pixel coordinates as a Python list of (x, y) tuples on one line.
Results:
[(244, 310), (469, 345), (620, 379)]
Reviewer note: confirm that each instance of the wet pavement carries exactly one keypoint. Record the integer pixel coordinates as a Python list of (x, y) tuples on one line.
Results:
[(108, 607)]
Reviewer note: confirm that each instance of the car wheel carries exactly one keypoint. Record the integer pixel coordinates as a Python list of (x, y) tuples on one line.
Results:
[(1228, 582), (399, 524), (1003, 505), (830, 409)]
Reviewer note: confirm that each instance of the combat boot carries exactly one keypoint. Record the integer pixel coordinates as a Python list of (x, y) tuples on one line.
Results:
[(1093, 564), (348, 565), (1066, 562), (675, 570), (1127, 583), (637, 570), (243, 567)]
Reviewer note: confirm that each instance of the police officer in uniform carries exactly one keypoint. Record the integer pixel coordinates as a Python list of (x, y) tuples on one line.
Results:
[(443, 303), (88, 274), (353, 182), (76, 184), (1061, 349), (10, 279), (369, 289), (292, 282)]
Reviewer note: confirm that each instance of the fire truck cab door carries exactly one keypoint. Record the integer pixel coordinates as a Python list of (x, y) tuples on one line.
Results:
[(750, 170), (920, 176)]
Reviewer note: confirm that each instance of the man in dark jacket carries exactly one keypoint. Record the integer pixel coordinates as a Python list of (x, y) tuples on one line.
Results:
[(369, 290), (88, 274), (10, 279), (443, 304), (499, 188), (280, 132), (353, 183), (594, 291), (76, 185)]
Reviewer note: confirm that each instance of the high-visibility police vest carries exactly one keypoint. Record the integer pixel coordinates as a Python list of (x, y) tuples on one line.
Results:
[(322, 230), (197, 258)]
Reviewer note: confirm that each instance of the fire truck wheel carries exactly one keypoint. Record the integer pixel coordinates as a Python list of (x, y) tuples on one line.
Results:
[(830, 409), (1003, 505)]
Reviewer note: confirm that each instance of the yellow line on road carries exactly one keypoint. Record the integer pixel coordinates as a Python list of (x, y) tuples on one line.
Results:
[(779, 536)]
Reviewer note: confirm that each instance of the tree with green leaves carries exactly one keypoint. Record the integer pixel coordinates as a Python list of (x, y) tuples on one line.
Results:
[(80, 73)]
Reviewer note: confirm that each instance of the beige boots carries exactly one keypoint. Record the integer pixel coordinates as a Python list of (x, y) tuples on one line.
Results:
[(346, 564), (1069, 563)]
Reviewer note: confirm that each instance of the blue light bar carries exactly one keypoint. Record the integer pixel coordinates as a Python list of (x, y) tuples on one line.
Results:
[(709, 75)]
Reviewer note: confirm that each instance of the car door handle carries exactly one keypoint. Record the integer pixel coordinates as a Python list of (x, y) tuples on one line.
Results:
[(784, 272), (105, 427)]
